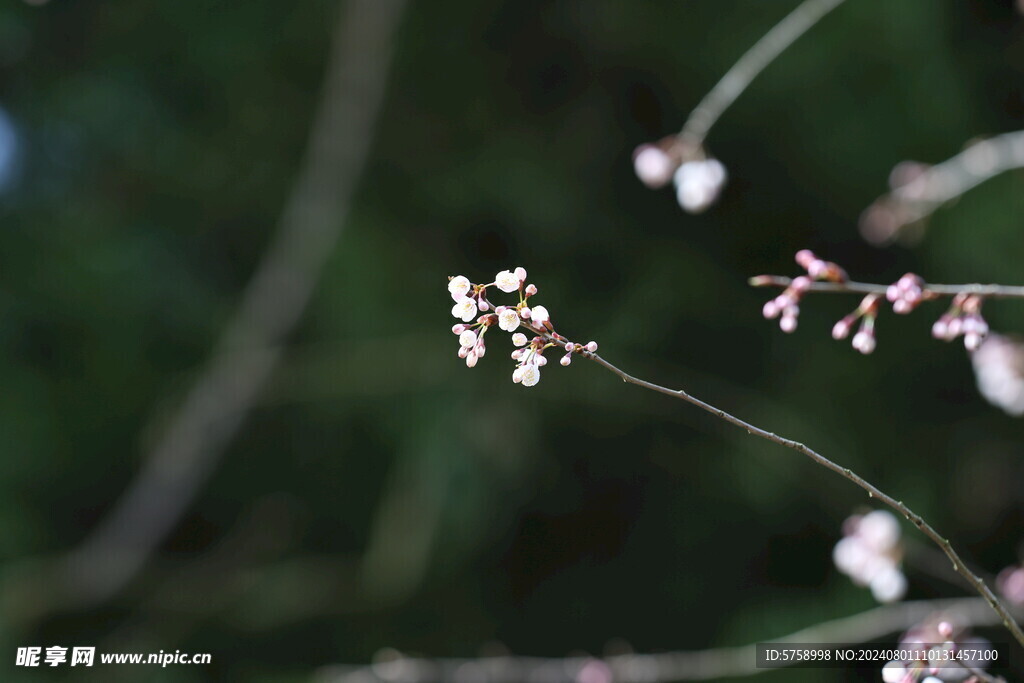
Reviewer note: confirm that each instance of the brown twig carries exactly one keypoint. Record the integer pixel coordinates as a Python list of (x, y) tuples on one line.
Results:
[(873, 491)]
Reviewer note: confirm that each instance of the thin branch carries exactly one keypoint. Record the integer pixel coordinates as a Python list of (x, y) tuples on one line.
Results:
[(929, 188), (987, 291), (659, 668), (873, 491), (736, 80), (272, 304)]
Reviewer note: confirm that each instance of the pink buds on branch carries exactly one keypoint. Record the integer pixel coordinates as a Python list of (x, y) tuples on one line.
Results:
[(962, 319)]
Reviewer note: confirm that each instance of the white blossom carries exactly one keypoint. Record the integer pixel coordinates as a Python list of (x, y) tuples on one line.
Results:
[(530, 375), (506, 281), (464, 308), (999, 370), (539, 314), (519, 339), (458, 287), (467, 338), (508, 320)]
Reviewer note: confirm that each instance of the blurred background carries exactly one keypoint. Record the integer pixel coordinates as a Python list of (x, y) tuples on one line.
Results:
[(378, 494)]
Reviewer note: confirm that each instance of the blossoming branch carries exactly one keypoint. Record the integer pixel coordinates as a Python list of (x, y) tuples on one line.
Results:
[(471, 299), (471, 302)]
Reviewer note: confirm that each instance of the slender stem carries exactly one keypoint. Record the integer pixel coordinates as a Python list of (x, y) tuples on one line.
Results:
[(873, 491), (693, 665), (736, 80), (988, 291)]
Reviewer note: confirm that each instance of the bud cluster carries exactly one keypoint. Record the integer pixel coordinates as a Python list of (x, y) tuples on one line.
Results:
[(867, 313), (698, 179), (471, 299), (962, 318), (785, 306), (870, 553)]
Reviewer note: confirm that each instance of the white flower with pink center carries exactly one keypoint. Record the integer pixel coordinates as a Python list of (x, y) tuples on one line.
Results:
[(458, 287), (508, 320), (464, 309), (506, 281)]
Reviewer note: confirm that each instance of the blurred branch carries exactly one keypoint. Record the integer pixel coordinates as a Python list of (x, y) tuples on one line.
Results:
[(988, 291), (753, 62), (656, 668), (273, 302), (919, 190)]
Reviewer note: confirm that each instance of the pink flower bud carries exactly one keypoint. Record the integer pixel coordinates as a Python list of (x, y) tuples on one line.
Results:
[(525, 313), (531, 290), (945, 629), (902, 306), (464, 351), (569, 347), (471, 360), (539, 359), (480, 348), (864, 342), (800, 284), (653, 166), (787, 323), (817, 269), (566, 359), (518, 353), (841, 330), (517, 375), (592, 346), (458, 329), (520, 273), (770, 310), (500, 309), (482, 305), (805, 257), (892, 292)]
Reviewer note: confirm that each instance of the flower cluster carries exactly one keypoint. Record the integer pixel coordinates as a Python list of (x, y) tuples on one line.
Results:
[(471, 302), (698, 179), (938, 636), (962, 318), (870, 553), (785, 306)]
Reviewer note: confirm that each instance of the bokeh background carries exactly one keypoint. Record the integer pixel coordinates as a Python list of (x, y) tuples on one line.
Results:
[(382, 495)]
